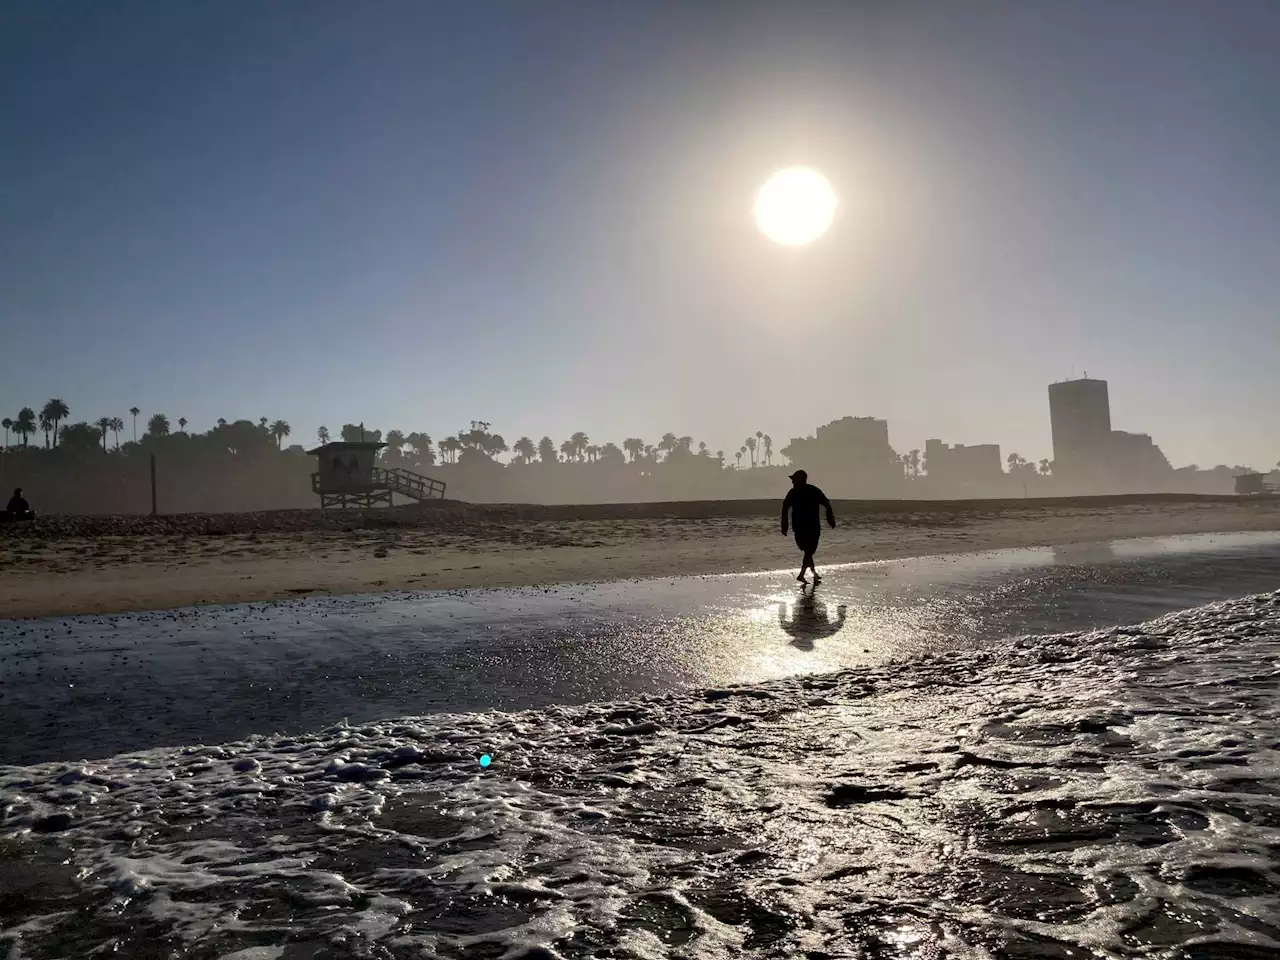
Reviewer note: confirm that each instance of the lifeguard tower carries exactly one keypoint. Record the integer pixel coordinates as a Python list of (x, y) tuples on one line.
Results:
[(348, 476), (1255, 485)]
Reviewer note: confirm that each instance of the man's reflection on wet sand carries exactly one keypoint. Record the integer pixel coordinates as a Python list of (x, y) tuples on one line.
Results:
[(809, 620)]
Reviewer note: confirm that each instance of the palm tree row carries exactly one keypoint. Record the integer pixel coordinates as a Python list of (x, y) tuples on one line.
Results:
[(478, 439), (27, 423), (761, 444), (576, 449)]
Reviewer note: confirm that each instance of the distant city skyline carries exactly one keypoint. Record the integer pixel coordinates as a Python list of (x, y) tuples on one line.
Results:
[(541, 216), (1083, 404)]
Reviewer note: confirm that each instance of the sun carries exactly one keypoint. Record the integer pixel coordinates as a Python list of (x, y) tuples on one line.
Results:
[(795, 206)]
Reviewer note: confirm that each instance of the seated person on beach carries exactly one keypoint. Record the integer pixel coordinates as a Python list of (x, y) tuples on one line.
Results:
[(18, 508)]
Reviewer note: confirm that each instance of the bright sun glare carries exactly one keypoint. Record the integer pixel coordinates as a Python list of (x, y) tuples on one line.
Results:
[(795, 206)]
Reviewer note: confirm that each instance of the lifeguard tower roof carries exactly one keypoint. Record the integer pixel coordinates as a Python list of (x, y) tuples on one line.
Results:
[(339, 446)]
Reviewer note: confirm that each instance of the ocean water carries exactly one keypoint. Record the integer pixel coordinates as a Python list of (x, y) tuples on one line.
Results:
[(1105, 793)]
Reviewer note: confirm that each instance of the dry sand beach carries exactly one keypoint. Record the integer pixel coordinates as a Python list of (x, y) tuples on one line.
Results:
[(71, 565)]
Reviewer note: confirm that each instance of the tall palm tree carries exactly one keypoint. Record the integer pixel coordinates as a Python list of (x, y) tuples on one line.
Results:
[(449, 448), (133, 412), (739, 456), (323, 435), (421, 444), (702, 449), (634, 447), (720, 457), (104, 424), (281, 429), (668, 443), (182, 424), (494, 445), (46, 425), (25, 425), (524, 449), (116, 426), (768, 449), (569, 449), (6, 423), (262, 422), (55, 411), (580, 443), (158, 425), (751, 447), (760, 443)]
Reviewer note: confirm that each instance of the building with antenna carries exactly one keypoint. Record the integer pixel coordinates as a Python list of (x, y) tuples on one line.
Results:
[(1088, 455), (1080, 420)]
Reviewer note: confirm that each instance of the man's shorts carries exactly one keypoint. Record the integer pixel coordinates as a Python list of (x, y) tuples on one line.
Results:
[(807, 538)]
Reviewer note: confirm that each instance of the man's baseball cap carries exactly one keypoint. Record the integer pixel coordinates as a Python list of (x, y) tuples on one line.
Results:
[(799, 475)]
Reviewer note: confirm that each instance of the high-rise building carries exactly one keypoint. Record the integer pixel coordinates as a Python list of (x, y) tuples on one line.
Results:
[(1080, 418)]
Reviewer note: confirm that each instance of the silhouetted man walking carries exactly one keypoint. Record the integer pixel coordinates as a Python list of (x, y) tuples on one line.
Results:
[(803, 500)]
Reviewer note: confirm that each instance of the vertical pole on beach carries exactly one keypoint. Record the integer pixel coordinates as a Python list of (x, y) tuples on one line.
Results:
[(153, 484)]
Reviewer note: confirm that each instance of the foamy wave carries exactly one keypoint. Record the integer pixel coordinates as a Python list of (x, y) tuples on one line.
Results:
[(1108, 793)]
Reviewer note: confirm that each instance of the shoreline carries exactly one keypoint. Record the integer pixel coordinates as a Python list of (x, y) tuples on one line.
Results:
[(87, 566)]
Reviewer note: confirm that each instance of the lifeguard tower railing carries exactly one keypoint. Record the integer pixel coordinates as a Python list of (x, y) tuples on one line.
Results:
[(410, 484)]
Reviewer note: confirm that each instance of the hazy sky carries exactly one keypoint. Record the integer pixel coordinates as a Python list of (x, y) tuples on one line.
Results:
[(539, 214)]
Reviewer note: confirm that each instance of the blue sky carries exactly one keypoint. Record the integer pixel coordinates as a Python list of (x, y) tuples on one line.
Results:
[(538, 214)]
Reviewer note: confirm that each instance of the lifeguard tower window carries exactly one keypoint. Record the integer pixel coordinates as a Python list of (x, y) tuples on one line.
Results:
[(348, 475)]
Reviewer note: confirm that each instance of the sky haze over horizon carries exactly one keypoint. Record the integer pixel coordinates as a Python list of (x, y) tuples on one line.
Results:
[(539, 215)]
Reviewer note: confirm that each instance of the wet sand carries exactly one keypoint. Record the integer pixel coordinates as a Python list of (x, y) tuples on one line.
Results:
[(95, 686), (106, 564)]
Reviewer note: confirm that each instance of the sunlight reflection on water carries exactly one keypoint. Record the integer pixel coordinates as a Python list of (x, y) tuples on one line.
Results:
[(220, 673)]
